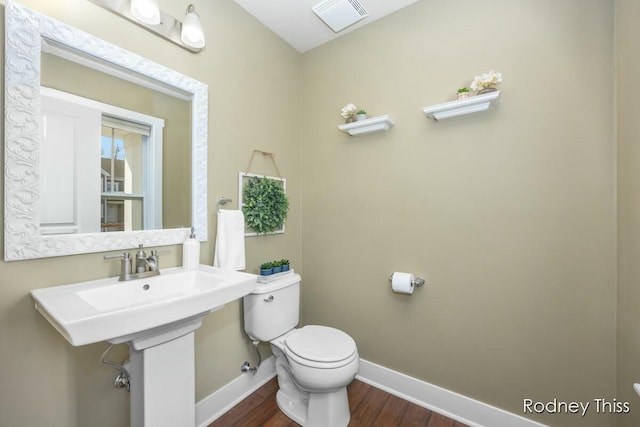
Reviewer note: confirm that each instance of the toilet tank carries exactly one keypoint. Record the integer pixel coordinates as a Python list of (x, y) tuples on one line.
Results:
[(273, 308)]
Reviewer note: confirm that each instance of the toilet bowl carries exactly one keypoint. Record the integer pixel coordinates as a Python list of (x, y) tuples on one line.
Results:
[(314, 363), (321, 359), (313, 378)]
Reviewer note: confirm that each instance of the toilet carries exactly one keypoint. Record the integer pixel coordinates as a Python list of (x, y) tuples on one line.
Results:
[(314, 364)]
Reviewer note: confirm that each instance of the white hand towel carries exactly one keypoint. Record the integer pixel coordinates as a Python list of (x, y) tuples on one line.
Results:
[(229, 252)]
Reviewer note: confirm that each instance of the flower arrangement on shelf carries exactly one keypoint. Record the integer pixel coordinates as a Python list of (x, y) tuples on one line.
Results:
[(349, 113), (486, 82)]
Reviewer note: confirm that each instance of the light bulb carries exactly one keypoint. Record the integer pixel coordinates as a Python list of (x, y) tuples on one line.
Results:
[(192, 33), (146, 11)]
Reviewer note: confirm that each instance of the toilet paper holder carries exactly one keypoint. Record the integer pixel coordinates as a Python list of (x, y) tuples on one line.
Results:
[(418, 281)]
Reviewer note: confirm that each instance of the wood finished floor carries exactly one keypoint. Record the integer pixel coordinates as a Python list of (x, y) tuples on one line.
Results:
[(369, 407)]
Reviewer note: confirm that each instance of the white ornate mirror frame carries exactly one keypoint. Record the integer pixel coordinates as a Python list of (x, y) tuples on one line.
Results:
[(22, 240)]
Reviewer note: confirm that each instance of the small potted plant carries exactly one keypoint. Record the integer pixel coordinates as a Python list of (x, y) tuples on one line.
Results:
[(463, 93), (266, 269), (276, 267), (285, 264), (362, 114)]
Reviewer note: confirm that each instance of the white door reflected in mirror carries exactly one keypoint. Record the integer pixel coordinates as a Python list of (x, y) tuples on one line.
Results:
[(68, 203)]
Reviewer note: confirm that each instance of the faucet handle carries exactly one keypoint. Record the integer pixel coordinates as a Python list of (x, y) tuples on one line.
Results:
[(123, 256), (153, 261), (125, 264)]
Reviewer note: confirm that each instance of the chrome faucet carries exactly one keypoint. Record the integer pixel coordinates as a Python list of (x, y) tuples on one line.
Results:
[(144, 266)]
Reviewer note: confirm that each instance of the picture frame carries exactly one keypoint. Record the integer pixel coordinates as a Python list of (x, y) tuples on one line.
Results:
[(243, 179)]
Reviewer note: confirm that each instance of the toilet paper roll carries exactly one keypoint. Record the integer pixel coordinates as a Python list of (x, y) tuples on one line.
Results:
[(402, 283)]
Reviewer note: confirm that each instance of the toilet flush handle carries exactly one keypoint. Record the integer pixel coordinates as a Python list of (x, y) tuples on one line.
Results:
[(270, 299)]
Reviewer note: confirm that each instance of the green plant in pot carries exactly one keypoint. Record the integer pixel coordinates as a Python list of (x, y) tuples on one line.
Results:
[(266, 269), (285, 264), (265, 204), (463, 93), (277, 267)]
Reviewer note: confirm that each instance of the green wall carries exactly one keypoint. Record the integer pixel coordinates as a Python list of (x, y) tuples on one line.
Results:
[(510, 214)]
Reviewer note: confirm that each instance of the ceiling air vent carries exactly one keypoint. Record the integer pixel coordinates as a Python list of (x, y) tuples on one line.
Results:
[(339, 14)]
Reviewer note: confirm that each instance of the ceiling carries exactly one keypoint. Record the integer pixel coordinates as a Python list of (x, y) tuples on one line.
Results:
[(298, 25)]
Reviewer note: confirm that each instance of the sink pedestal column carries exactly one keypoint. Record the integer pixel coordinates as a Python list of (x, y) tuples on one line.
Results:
[(163, 378)]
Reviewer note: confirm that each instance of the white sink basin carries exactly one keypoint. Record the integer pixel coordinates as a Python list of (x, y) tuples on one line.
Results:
[(109, 310)]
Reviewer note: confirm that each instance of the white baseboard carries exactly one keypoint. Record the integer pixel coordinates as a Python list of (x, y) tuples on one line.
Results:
[(448, 403), (222, 400), (453, 405)]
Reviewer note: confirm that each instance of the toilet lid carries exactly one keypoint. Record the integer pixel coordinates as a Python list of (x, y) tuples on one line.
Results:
[(321, 344)]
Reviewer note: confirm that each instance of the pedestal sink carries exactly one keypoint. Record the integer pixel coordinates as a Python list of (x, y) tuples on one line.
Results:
[(157, 317)]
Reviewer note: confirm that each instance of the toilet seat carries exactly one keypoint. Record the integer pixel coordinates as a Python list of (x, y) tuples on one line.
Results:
[(320, 347)]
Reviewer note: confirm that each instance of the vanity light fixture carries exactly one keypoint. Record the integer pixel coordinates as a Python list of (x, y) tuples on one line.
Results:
[(192, 32), (146, 14)]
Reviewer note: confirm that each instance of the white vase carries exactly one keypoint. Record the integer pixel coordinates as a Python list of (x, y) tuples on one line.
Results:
[(487, 90), (362, 117)]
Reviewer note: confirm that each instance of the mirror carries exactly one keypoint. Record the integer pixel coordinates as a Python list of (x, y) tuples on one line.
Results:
[(27, 31)]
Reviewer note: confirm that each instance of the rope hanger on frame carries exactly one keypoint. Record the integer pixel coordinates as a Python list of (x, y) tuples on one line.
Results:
[(272, 156)]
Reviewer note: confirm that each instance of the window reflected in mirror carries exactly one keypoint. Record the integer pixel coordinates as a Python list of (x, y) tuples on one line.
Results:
[(122, 150)]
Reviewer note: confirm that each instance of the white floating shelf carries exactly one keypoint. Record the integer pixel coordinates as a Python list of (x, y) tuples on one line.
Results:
[(374, 124), (473, 104)]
